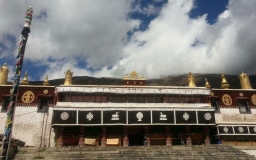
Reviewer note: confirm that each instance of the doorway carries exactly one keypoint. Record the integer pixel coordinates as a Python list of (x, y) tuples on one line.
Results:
[(135, 135)]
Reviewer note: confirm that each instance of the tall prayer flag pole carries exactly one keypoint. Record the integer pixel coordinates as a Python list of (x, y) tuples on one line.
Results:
[(13, 98)]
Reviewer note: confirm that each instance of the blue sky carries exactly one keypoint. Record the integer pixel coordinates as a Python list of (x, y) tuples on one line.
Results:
[(111, 38)]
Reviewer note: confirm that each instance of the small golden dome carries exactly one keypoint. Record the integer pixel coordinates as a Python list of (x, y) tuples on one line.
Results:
[(207, 84), (3, 74), (224, 82), (191, 80), (25, 79), (244, 81), (46, 82), (68, 77)]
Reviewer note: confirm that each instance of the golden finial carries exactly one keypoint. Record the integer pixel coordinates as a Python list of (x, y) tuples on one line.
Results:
[(25, 79), (68, 77), (3, 74), (224, 82), (244, 81), (191, 80), (46, 82), (207, 84)]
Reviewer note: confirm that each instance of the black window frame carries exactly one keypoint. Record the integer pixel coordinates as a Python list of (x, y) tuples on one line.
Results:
[(40, 108), (247, 107), (216, 106), (5, 104)]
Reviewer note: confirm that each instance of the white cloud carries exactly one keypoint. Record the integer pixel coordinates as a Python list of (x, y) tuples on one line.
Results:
[(227, 46), (95, 32)]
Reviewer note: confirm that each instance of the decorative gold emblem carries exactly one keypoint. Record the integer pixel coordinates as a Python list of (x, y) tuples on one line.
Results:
[(253, 98), (226, 99), (134, 75), (211, 94), (11, 91), (28, 97), (241, 94), (45, 91)]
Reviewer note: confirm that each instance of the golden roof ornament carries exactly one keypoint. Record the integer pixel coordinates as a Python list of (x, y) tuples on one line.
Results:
[(191, 80), (46, 82), (3, 74), (126, 77), (207, 84), (25, 79), (224, 82), (134, 75), (141, 78), (68, 77), (244, 81)]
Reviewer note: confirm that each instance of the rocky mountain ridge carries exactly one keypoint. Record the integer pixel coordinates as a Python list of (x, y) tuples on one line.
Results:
[(175, 80)]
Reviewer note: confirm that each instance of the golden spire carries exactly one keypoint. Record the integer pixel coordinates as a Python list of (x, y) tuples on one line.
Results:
[(3, 75), (191, 80), (68, 77), (46, 82), (224, 82), (244, 81), (207, 84), (25, 79)]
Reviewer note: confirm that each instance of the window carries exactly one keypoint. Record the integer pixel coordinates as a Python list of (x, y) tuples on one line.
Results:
[(243, 107), (43, 105), (5, 104), (214, 104)]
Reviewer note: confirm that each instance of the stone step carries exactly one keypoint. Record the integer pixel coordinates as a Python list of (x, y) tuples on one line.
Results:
[(138, 152)]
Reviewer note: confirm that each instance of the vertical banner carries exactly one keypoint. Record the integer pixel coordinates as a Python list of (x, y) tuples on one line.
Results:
[(13, 99)]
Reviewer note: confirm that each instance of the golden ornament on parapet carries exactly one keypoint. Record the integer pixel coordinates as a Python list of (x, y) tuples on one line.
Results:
[(211, 94), (226, 99), (253, 99), (45, 91), (241, 94), (28, 97), (134, 75)]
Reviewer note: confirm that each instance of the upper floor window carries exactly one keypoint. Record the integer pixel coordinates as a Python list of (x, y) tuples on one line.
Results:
[(5, 104), (215, 105), (243, 107), (43, 105)]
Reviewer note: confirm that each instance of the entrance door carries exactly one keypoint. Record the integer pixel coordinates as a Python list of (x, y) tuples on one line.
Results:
[(197, 138), (71, 135), (135, 140), (135, 135)]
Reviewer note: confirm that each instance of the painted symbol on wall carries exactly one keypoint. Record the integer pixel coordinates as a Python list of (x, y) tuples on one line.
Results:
[(253, 99), (207, 116), (45, 91), (225, 129), (115, 117), (240, 129), (254, 129), (64, 116), (162, 117), (226, 99), (139, 115), (28, 97), (186, 116), (89, 116)]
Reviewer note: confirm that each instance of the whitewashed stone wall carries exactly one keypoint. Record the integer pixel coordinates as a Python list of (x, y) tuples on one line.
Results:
[(31, 127), (233, 115), (2, 120)]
